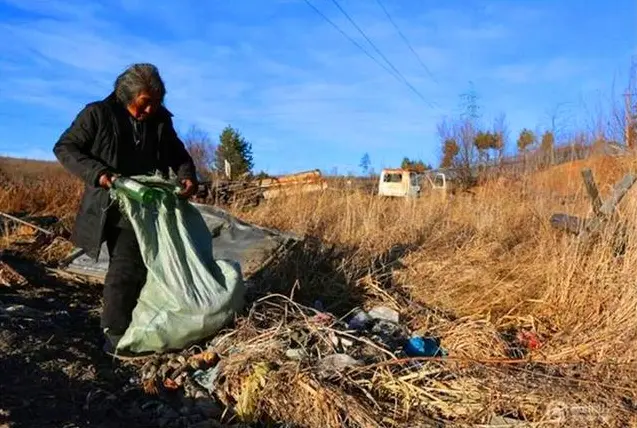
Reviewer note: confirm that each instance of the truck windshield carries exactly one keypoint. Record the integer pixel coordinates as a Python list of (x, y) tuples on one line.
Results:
[(393, 177)]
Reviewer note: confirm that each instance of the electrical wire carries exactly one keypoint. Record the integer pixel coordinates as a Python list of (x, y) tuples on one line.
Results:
[(348, 37), (380, 3), (395, 74), (373, 45)]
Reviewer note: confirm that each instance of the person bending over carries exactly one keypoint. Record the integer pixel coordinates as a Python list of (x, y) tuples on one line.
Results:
[(130, 132)]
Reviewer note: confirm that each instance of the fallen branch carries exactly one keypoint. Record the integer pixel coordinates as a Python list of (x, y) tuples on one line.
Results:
[(18, 220)]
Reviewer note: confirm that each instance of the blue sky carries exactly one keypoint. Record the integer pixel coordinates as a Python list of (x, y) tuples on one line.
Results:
[(300, 92)]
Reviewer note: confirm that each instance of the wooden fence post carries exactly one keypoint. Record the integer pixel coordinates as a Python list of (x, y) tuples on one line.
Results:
[(602, 210)]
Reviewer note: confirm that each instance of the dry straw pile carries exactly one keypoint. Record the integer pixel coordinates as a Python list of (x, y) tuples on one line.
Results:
[(479, 270)]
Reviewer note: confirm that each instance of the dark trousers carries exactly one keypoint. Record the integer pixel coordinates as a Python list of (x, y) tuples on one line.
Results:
[(124, 280)]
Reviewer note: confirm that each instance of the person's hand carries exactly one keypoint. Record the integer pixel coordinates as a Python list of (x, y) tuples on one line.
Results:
[(106, 180), (190, 188)]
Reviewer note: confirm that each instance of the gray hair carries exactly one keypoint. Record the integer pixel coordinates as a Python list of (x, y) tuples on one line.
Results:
[(139, 78)]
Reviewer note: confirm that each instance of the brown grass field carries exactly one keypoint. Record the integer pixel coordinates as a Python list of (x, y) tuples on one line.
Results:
[(476, 269)]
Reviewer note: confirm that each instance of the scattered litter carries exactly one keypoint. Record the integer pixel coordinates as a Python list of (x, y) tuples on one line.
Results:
[(529, 340), (295, 354), (389, 334), (360, 320), (424, 347), (340, 342), (170, 384), (384, 313), (337, 362), (207, 378), (322, 318)]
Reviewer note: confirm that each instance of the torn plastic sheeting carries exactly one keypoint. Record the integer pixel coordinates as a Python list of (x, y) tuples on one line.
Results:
[(233, 239)]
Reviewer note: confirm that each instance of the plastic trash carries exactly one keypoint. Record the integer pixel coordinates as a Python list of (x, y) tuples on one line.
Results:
[(207, 378), (529, 339), (360, 320), (384, 313), (296, 354), (337, 362), (322, 318), (187, 295), (390, 334), (424, 347)]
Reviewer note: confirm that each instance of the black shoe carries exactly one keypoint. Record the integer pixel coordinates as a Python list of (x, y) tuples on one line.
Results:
[(111, 339)]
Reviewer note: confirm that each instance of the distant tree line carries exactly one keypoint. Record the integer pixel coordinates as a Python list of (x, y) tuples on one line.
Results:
[(468, 145)]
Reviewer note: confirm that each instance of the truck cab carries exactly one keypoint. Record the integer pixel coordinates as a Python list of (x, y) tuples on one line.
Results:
[(400, 183)]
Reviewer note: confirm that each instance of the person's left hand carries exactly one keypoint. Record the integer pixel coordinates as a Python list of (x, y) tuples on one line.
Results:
[(190, 188)]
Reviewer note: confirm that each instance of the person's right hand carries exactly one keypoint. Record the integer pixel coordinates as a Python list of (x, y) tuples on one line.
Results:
[(106, 180)]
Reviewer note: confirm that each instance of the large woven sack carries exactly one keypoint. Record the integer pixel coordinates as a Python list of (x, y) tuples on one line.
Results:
[(187, 295)]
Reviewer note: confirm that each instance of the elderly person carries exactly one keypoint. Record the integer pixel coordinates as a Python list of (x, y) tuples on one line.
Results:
[(130, 132)]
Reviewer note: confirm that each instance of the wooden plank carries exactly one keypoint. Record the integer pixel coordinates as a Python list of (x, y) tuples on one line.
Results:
[(591, 189), (619, 191), (608, 207)]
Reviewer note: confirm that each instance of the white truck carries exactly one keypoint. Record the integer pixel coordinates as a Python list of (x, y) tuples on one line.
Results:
[(405, 183)]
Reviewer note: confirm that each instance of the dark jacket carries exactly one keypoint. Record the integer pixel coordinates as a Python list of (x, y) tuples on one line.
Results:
[(99, 141)]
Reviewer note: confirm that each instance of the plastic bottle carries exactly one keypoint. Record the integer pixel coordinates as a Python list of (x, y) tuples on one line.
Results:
[(136, 190), (424, 347)]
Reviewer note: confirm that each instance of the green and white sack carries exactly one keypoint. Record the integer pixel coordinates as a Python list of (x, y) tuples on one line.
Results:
[(187, 295)]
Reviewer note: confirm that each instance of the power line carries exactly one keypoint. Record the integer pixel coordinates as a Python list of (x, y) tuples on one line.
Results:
[(364, 50), (349, 18), (349, 38), (380, 3)]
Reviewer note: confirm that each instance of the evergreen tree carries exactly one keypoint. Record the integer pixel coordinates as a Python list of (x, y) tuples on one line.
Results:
[(234, 148)]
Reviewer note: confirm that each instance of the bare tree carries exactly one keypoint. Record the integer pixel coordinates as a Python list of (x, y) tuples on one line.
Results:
[(202, 150), (558, 119)]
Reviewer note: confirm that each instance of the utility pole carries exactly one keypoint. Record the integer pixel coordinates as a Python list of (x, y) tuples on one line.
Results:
[(629, 127), (630, 130)]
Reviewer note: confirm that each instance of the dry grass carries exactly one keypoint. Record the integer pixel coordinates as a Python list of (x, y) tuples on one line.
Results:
[(474, 269), (37, 188)]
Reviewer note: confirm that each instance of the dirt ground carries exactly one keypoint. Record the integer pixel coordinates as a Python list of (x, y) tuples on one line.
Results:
[(54, 372)]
